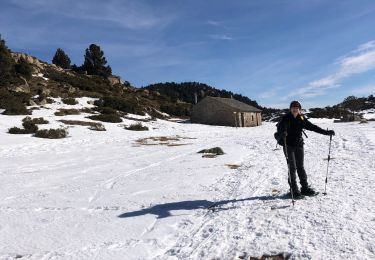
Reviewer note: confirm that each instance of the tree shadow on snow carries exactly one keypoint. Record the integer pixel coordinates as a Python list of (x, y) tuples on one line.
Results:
[(164, 210)]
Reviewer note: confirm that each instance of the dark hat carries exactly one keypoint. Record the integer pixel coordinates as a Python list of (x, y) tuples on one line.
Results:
[(295, 104)]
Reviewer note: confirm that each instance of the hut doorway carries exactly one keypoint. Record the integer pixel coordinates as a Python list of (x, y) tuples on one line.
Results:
[(242, 119)]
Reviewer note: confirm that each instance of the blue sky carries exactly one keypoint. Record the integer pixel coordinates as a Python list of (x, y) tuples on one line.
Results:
[(314, 51)]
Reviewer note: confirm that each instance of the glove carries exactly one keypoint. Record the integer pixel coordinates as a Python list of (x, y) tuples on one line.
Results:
[(330, 132)]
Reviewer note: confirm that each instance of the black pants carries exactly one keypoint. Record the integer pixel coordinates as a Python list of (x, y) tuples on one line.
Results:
[(295, 156)]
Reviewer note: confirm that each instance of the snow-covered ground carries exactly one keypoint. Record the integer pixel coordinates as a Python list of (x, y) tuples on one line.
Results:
[(369, 113), (103, 195)]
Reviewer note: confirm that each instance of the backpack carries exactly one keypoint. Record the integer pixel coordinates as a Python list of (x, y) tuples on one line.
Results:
[(278, 134)]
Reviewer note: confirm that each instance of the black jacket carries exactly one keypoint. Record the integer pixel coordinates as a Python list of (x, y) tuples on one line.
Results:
[(293, 127)]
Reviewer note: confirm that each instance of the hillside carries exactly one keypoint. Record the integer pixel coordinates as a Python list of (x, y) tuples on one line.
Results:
[(48, 80), (348, 107), (186, 91), (27, 81)]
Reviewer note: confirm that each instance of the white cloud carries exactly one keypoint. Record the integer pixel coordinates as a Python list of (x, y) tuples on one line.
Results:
[(358, 61), (362, 62), (221, 37), (128, 14), (366, 46), (213, 23)]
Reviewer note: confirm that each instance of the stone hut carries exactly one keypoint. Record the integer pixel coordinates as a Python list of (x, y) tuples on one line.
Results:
[(226, 112)]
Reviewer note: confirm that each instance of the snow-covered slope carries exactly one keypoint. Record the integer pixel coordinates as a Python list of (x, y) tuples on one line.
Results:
[(103, 195)]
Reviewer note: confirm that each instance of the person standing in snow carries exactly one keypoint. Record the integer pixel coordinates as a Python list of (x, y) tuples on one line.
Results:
[(291, 126)]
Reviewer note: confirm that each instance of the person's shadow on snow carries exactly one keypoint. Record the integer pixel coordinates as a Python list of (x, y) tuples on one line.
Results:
[(164, 210)]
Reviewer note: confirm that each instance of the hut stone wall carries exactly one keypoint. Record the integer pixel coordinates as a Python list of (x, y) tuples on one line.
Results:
[(245, 119), (212, 112), (205, 111)]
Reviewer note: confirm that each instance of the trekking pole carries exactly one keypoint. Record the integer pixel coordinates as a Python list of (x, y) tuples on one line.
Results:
[(328, 159), (289, 176)]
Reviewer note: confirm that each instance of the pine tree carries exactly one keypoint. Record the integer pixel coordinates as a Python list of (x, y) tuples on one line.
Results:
[(7, 71), (353, 103), (61, 59), (95, 62)]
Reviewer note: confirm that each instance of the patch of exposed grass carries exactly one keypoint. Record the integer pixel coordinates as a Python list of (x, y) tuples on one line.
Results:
[(281, 256), (105, 110), (97, 127), (37, 120), (87, 110), (140, 119), (92, 125), (51, 133), (233, 166), (137, 127), (161, 140), (110, 118), (67, 111), (69, 101)]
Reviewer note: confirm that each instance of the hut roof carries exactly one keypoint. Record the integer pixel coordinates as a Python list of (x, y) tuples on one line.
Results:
[(238, 105)]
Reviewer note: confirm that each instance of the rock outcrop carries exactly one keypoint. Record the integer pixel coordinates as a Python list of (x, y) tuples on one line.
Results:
[(24, 88), (37, 65)]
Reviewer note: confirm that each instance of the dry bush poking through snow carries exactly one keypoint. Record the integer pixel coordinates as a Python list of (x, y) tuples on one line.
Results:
[(52, 133), (110, 118), (65, 112), (69, 101), (136, 127)]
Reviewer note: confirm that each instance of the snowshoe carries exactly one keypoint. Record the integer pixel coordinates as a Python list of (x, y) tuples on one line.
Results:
[(308, 191), (296, 195)]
